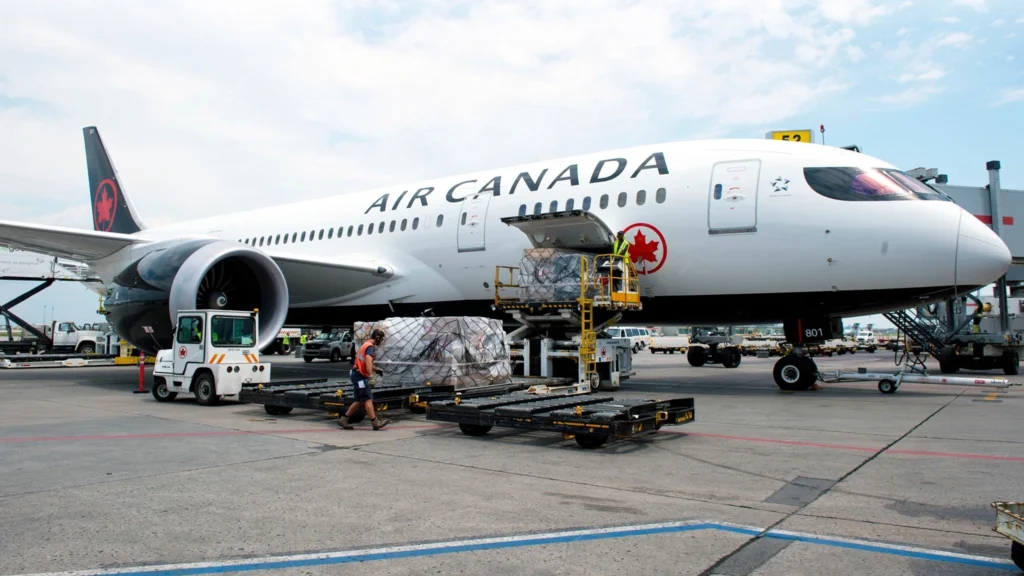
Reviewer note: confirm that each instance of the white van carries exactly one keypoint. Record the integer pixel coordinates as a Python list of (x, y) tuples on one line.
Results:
[(866, 340), (639, 337)]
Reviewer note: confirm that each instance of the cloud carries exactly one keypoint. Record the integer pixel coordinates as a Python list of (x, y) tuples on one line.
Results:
[(1010, 95), (854, 53), (948, 19), (956, 39), (978, 5), (923, 76), (910, 97), (998, 22), (861, 12)]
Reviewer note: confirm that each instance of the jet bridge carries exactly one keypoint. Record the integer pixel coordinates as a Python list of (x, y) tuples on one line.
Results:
[(567, 289)]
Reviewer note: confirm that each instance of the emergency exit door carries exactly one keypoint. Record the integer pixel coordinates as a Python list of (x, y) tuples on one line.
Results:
[(732, 199), (472, 222)]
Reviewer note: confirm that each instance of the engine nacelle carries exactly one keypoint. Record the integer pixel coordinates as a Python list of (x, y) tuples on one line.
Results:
[(145, 297)]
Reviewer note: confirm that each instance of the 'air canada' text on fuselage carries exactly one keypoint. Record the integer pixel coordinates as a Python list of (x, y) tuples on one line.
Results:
[(603, 172)]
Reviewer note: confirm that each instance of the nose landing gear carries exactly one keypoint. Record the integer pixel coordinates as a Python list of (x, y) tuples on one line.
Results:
[(795, 371)]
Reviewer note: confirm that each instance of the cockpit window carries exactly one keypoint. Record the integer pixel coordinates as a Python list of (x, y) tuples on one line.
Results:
[(866, 184)]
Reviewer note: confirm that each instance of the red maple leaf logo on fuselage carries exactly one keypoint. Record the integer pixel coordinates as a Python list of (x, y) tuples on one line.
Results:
[(641, 250)]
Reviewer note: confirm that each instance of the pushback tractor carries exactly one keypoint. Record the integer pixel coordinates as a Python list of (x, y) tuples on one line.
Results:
[(215, 354)]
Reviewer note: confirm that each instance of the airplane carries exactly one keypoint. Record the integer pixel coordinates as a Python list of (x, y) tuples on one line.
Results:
[(722, 232)]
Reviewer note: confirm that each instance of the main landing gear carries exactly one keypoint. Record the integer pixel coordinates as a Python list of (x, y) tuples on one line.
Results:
[(795, 371)]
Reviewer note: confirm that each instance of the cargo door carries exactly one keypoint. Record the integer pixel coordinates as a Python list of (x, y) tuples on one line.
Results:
[(732, 199), (473, 223)]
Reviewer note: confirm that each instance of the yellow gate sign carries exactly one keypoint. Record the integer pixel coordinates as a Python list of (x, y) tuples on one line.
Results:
[(792, 135)]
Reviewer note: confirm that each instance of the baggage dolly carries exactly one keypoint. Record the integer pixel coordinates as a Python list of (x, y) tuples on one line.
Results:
[(1010, 523), (337, 395), (591, 419)]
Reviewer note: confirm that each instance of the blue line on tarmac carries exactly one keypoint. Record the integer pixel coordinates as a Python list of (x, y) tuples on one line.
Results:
[(480, 544)]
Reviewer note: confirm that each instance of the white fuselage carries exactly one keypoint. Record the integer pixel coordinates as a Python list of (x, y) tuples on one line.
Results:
[(779, 236)]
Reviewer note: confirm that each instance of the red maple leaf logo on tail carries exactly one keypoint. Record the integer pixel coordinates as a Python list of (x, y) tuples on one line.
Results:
[(104, 207), (641, 250)]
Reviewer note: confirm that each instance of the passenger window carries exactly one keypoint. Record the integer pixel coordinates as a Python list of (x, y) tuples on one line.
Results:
[(554, 206), (537, 208), (380, 228), (622, 199), (463, 219), (586, 203), (369, 229), (641, 197), (659, 196), (569, 204), (294, 236), (718, 191), (321, 235), (261, 240), (360, 230), (604, 201), (391, 228), (404, 222), (440, 220), (303, 237), (284, 239), (341, 231), (330, 233), (522, 209), (415, 223), (277, 239), (190, 330)]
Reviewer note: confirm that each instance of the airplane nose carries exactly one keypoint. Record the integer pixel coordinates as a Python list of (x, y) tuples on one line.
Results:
[(981, 256)]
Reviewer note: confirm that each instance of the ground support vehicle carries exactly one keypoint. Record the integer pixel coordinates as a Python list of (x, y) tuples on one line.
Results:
[(888, 383), (669, 344), (566, 299), (1010, 523), (590, 418), (334, 345), (710, 346), (215, 353), (335, 396)]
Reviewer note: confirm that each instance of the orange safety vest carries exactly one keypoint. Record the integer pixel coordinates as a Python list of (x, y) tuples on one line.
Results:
[(360, 363)]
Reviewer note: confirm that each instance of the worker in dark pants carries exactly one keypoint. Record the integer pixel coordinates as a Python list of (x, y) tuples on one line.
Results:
[(362, 373)]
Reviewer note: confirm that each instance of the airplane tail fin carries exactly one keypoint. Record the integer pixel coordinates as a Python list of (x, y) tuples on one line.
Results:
[(112, 210)]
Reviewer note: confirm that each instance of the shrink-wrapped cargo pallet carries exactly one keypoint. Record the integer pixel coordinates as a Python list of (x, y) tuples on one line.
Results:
[(464, 351), (550, 275)]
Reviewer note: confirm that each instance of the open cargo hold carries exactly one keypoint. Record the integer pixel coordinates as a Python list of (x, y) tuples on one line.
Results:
[(464, 352)]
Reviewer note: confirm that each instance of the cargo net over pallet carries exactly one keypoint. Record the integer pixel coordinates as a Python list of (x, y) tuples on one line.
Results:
[(548, 275), (461, 351)]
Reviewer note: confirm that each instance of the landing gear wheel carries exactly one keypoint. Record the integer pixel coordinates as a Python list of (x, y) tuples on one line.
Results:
[(205, 391), (474, 429), (277, 410), (161, 393), (335, 356), (795, 373), (731, 358), (1011, 363), (887, 387), (591, 441), (697, 356)]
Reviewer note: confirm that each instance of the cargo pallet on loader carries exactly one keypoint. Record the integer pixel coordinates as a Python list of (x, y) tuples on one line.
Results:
[(279, 399), (591, 419)]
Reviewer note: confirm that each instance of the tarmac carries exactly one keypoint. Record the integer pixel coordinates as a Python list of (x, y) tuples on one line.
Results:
[(842, 480)]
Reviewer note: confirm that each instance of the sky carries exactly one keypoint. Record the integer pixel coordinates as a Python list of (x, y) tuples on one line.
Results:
[(207, 107)]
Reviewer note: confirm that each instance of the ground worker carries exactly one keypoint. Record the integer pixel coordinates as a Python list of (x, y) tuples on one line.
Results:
[(302, 339), (285, 344), (620, 251), (363, 371)]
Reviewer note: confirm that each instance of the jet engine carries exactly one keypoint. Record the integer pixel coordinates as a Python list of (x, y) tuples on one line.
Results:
[(145, 297)]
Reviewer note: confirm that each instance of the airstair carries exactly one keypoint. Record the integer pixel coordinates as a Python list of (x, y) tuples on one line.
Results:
[(563, 301)]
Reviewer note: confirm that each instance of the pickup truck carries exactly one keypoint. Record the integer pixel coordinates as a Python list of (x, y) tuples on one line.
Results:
[(61, 337), (669, 344), (335, 346)]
